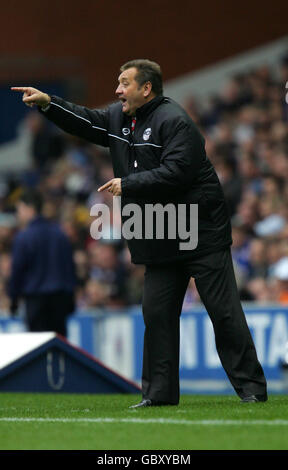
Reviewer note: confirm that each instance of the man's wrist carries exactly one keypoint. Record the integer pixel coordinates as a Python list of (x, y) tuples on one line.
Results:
[(46, 106)]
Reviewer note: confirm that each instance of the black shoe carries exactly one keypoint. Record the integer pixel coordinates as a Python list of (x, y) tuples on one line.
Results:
[(262, 397), (147, 402), (254, 398), (143, 403), (249, 399)]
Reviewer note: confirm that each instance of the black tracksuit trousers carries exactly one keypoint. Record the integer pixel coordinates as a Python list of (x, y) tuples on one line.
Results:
[(164, 291)]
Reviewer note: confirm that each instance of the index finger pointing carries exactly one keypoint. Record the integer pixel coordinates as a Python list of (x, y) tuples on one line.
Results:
[(19, 88), (105, 186)]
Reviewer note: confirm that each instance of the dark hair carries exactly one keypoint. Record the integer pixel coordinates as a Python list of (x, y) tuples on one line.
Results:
[(32, 198), (147, 71)]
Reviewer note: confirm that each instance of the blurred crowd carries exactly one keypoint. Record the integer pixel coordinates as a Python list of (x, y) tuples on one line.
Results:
[(246, 131)]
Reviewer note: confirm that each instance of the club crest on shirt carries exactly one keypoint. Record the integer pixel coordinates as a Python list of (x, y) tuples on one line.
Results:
[(147, 133), (126, 130)]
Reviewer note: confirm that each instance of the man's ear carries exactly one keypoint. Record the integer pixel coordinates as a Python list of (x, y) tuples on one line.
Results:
[(147, 89)]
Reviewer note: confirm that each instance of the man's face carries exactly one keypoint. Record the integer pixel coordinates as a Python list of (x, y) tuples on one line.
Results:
[(130, 93)]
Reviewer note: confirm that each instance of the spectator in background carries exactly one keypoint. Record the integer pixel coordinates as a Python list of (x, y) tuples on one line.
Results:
[(250, 172), (42, 268), (106, 268), (47, 143), (258, 259), (97, 294), (281, 275), (260, 291), (241, 249), (231, 183)]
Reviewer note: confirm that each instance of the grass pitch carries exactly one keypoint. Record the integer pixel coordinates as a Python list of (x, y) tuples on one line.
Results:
[(104, 422)]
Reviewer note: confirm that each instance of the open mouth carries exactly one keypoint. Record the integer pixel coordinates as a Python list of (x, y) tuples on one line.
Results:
[(124, 103)]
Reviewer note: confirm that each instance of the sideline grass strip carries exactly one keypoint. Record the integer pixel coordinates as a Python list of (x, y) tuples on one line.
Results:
[(211, 422)]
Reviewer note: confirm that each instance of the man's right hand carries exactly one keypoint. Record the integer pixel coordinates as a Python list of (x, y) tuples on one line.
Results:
[(32, 96)]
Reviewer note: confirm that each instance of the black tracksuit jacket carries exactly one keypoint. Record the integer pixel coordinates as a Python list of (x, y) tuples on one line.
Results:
[(164, 161)]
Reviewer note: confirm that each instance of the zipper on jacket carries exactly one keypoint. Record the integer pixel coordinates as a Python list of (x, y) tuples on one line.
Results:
[(133, 164)]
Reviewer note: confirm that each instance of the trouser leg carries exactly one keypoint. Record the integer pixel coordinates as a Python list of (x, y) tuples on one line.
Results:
[(36, 317), (60, 306), (164, 291), (216, 284), (48, 312)]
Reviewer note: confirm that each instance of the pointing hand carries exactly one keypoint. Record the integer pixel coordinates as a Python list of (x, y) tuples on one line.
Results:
[(113, 186), (32, 96)]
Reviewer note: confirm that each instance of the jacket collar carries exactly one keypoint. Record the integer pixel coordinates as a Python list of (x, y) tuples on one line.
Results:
[(147, 108), (37, 220)]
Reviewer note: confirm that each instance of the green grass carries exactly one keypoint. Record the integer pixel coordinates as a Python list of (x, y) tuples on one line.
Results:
[(199, 422)]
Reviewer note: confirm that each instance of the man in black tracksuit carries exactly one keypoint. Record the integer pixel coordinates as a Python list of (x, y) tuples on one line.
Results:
[(158, 156)]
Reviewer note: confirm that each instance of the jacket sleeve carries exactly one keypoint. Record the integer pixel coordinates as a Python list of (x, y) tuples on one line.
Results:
[(19, 267), (182, 156), (89, 124)]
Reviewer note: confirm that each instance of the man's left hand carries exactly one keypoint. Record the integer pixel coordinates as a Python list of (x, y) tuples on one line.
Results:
[(113, 186)]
